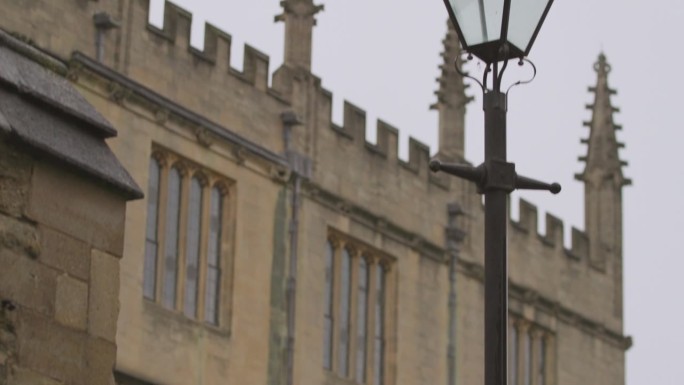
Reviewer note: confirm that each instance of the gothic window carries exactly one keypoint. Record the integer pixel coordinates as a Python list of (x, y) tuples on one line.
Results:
[(528, 353), (354, 312), (185, 238)]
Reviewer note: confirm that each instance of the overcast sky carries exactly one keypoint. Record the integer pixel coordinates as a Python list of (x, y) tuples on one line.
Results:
[(382, 55)]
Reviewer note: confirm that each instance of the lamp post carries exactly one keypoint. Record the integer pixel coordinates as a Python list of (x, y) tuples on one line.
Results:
[(496, 31)]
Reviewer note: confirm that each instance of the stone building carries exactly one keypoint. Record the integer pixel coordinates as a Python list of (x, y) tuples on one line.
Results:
[(62, 211), (277, 247)]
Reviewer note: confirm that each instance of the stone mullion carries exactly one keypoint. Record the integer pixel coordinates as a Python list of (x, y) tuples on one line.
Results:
[(353, 304), (370, 338), (161, 229), (204, 245), (337, 267), (182, 237)]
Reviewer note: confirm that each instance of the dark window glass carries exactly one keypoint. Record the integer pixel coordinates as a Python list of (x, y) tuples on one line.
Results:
[(361, 322), (192, 248), (345, 300), (151, 245), (328, 315), (211, 299), (379, 340), (171, 242)]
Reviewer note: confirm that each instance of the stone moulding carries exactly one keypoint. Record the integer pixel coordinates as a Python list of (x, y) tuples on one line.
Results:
[(156, 102), (376, 222), (551, 307)]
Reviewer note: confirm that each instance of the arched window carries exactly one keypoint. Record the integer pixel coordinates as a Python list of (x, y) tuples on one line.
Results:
[(171, 244), (345, 303), (328, 307), (185, 236), (192, 247), (151, 241), (211, 299)]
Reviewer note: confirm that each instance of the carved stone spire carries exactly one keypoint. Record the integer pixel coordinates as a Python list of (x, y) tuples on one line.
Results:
[(451, 99), (299, 18), (602, 158), (603, 181)]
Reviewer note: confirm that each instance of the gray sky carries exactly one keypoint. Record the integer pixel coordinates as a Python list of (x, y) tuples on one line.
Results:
[(382, 55)]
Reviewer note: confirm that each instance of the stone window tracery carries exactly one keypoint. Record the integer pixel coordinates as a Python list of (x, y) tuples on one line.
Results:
[(185, 237), (529, 353), (355, 308)]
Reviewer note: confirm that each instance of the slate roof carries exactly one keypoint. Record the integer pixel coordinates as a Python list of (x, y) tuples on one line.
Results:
[(43, 110)]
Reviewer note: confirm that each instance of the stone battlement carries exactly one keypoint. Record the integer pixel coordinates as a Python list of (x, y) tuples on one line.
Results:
[(552, 237)]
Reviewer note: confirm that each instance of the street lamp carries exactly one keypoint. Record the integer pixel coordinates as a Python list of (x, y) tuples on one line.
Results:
[(496, 31)]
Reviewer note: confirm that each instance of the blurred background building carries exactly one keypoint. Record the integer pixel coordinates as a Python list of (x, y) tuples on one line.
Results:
[(276, 247)]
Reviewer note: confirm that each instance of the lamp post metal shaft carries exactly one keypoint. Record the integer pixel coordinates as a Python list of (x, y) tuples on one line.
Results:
[(496, 244)]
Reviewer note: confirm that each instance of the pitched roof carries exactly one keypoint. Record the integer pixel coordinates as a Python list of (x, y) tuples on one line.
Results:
[(43, 110)]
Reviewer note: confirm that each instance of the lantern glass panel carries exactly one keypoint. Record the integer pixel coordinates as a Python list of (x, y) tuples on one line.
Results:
[(524, 17), (479, 20)]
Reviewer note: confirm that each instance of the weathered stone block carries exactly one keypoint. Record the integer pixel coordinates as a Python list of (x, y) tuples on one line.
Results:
[(103, 303), (78, 207), (71, 304), (21, 376), (19, 236), (15, 176), (100, 359), (27, 282), (51, 349), (65, 253)]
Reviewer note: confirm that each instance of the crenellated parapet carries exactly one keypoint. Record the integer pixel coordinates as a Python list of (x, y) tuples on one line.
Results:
[(216, 52), (543, 262), (553, 235)]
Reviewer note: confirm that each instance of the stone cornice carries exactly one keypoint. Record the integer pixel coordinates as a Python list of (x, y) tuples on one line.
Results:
[(376, 222), (138, 92), (551, 307)]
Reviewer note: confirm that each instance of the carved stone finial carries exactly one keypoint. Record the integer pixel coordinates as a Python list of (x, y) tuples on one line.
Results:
[(603, 177), (299, 18), (451, 98), (602, 157)]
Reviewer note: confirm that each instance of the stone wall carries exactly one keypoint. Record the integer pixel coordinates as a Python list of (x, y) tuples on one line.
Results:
[(61, 239)]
